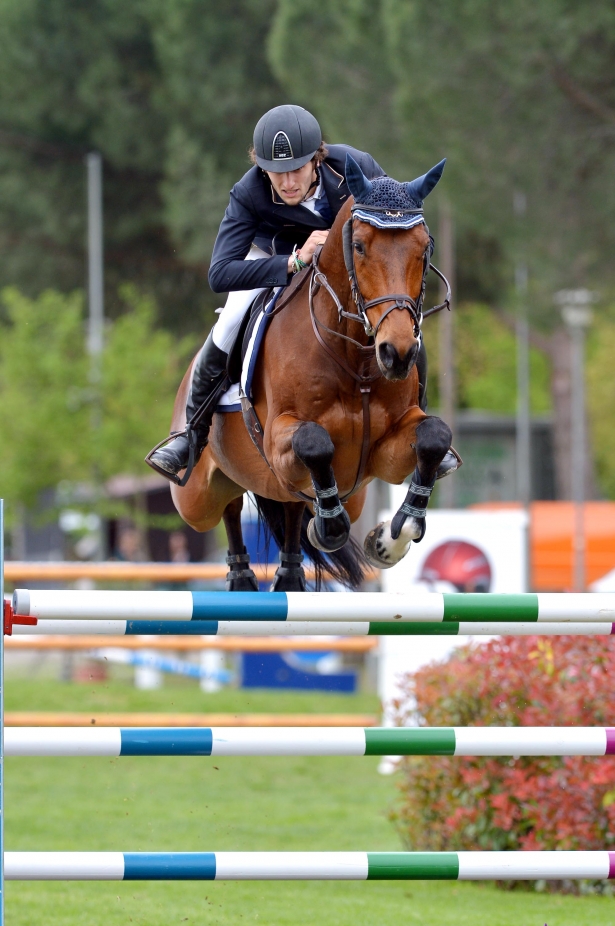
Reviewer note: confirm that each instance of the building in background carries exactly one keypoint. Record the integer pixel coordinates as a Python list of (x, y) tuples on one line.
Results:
[(487, 444)]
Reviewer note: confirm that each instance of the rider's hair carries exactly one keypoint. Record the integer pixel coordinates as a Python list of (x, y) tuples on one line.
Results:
[(318, 158)]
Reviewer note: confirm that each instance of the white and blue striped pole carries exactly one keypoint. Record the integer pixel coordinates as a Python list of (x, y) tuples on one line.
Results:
[(308, 866), (302, 607), (309, 741), (309, 628)]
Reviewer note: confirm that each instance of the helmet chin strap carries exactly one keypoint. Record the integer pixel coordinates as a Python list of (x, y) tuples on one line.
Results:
[(313, 184)]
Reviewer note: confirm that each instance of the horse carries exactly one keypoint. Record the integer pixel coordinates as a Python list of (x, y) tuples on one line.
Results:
[(334, 403)]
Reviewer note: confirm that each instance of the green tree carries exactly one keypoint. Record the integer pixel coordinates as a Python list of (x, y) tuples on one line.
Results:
[(519, 96), (44, 420), (141, 370), (56, 426), (601, 399), (169, 93), (486, 363)]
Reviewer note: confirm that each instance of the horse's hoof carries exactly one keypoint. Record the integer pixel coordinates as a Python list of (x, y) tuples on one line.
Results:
[(329, 545), (242, 580), (382, 551), (289, 579)]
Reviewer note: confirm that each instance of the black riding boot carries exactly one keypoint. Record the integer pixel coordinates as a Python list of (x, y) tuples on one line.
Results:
[(452, 460), (208, 376)]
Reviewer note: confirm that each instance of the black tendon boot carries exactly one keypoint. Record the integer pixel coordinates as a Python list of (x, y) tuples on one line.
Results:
[(452, 461), (208, 383)]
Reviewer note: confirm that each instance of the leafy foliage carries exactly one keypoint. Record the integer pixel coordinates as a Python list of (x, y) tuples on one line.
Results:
[(43, 383), (485, 350), (169, 93), (501, 803), (57, 423), (518, 96)]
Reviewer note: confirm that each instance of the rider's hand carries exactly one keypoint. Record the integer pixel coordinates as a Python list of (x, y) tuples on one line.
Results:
[(307, 250)]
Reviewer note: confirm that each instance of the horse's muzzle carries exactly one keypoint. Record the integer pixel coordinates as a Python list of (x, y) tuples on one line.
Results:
[(392, 365)]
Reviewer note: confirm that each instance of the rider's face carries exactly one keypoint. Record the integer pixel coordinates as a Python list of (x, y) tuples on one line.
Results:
[(293, 185)]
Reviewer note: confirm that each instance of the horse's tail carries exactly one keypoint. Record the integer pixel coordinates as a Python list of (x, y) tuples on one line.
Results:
[(347, 565)]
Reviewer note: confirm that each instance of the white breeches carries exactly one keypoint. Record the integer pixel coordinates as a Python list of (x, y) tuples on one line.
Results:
[(237, 304)]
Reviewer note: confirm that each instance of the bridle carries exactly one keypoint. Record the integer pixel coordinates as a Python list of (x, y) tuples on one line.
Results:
[(400, 300)]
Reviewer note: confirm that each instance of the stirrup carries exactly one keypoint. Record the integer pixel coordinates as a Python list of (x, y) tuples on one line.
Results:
[(194, 456)]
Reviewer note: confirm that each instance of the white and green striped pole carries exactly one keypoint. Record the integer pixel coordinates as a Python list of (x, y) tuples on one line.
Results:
[(307, 607), (307, 866), (309, 628), (310, 741)]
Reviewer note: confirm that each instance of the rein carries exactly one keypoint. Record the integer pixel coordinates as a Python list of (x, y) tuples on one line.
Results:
[(365, 378)]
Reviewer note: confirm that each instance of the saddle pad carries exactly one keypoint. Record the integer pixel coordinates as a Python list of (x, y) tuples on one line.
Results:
[(229, 402)]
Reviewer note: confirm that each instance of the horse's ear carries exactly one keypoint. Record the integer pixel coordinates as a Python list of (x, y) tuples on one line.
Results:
[(358, 184), (420, 188)]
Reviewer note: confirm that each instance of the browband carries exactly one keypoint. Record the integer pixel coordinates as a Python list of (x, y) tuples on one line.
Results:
[(385, 210)]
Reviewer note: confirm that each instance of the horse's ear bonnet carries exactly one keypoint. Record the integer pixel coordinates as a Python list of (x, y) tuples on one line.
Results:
[(420, 188), (386, 202), (358, 184)]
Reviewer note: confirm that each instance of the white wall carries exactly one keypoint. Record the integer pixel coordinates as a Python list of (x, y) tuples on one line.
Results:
[(501, 535)]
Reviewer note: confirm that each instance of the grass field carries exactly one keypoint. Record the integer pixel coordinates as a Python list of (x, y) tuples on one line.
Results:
[(184, 804)]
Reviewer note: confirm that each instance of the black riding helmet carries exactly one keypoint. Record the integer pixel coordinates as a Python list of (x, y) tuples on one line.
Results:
[(286, 138)]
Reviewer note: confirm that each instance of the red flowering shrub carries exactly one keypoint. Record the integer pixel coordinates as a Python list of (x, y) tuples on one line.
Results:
[(450, 803)]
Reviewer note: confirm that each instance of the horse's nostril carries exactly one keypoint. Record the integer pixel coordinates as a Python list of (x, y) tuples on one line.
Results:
[(388, 355), (410, 358)]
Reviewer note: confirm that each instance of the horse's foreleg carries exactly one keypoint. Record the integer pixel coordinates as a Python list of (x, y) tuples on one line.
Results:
[(329, 529), (290, 576), (389, 542), (240, 578)]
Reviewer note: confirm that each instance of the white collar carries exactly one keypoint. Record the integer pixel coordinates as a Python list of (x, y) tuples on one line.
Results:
[(315, 195), (310, 201)]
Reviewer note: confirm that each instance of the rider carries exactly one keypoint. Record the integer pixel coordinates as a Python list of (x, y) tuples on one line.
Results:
[(279, 213)]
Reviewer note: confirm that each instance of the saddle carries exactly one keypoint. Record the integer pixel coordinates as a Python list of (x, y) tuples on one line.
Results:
[(239, 349), (240, 346), (249, 338)]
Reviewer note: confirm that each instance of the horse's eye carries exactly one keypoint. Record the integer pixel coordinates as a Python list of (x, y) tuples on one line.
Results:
[(358, 246)]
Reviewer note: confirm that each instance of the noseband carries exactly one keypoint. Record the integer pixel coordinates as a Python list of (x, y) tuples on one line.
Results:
[(400, 300)]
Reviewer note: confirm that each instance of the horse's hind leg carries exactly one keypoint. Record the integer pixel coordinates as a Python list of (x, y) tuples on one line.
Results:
[(240, 578), (330, 527), (290, 576), (389, 542)]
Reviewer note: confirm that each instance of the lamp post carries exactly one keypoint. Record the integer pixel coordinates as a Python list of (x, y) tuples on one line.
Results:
[(95, 255), (577, 316), (96, 304), (447, 378), (523, 416)]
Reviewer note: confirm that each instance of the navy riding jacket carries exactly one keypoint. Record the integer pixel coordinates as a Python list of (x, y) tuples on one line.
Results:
[(256, 214)]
